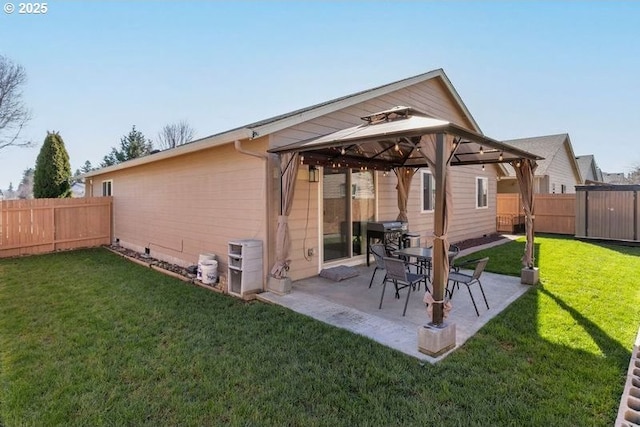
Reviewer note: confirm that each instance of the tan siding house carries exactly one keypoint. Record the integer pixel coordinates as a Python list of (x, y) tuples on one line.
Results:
[(195, 198), (557, 173)]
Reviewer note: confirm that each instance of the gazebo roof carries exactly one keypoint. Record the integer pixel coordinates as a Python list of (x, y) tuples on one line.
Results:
[(390, 139)]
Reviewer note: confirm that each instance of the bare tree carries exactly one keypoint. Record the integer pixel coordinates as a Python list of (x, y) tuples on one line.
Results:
[(634, 175), (174, 134), (13, 113)]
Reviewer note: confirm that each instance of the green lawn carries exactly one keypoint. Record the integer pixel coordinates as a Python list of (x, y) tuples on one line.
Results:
[(87, 338)]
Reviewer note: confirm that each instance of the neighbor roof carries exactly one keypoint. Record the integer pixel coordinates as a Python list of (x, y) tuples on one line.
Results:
[(283, 121), (547, 147), (587, 163)]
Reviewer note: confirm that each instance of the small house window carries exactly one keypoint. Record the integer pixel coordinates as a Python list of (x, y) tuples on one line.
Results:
[(107, 188), (482, 192), (563, 189), (428, 192)]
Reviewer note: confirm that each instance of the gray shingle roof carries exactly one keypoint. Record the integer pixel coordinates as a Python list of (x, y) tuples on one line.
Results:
[(544, 146), (587, 166)]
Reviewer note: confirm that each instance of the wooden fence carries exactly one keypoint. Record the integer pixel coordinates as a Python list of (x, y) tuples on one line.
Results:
[(554, 213), (47, 225)]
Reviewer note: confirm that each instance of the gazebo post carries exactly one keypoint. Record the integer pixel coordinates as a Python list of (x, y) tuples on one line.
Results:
[(438, 228), (438, 337)]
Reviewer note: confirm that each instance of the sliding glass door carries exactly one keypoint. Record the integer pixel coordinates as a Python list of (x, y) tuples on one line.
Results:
[(348, 205)]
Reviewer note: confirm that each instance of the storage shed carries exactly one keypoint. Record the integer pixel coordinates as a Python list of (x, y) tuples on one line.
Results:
[(608, 212)]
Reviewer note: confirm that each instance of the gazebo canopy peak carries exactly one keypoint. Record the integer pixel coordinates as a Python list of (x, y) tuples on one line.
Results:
[(391, 139)]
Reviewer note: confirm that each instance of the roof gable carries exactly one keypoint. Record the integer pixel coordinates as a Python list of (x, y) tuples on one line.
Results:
[(588, 167), (283, 121), (549, 147)]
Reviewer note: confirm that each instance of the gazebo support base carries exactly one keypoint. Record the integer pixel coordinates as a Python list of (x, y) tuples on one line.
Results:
[(279, 286), (436, 340), (529, 276)]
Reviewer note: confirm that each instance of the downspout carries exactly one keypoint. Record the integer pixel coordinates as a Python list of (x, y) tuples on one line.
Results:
[(238, 146)]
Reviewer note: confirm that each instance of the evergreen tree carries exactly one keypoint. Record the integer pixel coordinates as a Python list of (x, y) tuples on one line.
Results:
[(132, 146), (25, 188), (53, 171), (87, 167)]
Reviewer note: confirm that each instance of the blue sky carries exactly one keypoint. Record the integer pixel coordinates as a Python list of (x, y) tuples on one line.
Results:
[(522, 68)]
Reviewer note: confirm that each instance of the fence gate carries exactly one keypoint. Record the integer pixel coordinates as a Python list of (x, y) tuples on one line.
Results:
[(554, 213)]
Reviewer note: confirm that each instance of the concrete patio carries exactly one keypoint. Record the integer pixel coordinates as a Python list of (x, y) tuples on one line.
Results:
[(352, 305)]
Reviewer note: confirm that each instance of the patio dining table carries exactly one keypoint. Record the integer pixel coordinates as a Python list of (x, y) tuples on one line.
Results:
[(422, 255)]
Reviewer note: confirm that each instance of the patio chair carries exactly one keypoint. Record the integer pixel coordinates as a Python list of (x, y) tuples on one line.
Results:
[(454, 251), (379, 252), (456, 278), (397, 272)]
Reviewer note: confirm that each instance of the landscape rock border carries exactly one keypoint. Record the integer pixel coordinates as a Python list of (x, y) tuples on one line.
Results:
[(164, 267)]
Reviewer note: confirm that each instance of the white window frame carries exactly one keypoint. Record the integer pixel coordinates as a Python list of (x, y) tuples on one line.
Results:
[(485, 185), (433, 185), (108, 182)]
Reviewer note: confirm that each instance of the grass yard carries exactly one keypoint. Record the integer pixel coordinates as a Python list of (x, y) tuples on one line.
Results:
[(87, 338)]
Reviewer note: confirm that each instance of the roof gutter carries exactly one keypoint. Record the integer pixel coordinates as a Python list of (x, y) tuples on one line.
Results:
[(191, 147)]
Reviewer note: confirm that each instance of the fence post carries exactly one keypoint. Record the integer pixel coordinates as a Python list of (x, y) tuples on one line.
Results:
[(635, 215), (586, 213)]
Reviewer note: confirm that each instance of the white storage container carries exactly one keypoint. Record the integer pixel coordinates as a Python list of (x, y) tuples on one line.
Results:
[(245, 267)]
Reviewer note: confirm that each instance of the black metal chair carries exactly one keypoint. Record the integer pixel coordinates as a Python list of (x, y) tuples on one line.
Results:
[(379, 252), (454, 251), (456, 278), (397, 272)]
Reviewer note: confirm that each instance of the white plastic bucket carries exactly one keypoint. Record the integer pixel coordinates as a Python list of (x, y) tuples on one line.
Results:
[(207, 257), (208, 271), (203, 258)]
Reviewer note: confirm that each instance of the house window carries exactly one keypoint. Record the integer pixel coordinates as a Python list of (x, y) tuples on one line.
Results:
[(482, 192), (107, 188), (428, 192), (563, 189)]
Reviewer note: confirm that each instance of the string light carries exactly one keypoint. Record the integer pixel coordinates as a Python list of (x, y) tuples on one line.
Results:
[(500, 157), (481, 150), (301, 160), (397, 147), (482, 167), (343, 151)]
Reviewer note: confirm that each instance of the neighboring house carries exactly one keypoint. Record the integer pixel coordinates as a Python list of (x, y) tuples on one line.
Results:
[(197, 197), (614, 178), (77, 189), (589, 170), (558, 173)]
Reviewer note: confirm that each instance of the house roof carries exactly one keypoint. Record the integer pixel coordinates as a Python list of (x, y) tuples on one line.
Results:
[(548, 147), (587, 163), (283, 121)]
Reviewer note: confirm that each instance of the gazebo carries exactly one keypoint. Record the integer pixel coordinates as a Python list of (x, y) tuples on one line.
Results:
[(403, 139)]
